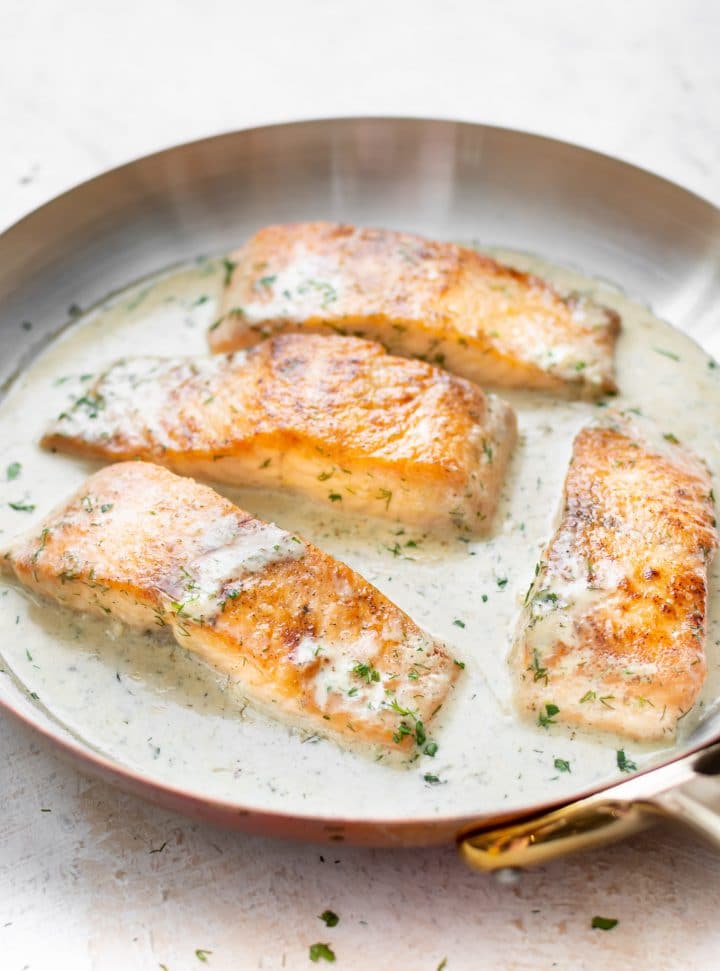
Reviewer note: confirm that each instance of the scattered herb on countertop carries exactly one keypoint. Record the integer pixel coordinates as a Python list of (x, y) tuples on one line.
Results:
[(13, 471), (603, 923), (330, 917), (562, 765), (324, 951), (22, 506), (202, 955)]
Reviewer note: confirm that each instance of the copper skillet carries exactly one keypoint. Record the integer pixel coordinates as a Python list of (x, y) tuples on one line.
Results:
[(448, 179)]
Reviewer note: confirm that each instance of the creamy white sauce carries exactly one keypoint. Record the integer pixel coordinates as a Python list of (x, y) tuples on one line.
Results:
[(307, 285), (141, 700)]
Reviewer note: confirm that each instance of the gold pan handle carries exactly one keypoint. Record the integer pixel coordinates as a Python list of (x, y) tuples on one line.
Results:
[(684, 791)]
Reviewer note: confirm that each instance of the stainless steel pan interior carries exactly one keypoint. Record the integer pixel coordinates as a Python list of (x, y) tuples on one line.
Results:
[(441, 178)]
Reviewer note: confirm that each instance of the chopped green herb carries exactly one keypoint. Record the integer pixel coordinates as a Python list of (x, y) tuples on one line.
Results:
[(229, 270), (265, 464), (43, 543), (334, 497), (670, 354), (22, 506), (501, 582), (487, 449), (484, 597), (13, 471), (539, 672), (384, 495), (588, 696), (442, 965), (624, 763), (603, 923), (267, 281), (431, 749), (460, 664), (330, 917), (202, 955), (459, 623), (431, 779), (324, 476), (546, 596), (561, 765), (420, 736), (328, 291), (669, 437), (580, 366), (367, 672), (403, 730), (546, 717), (106, 506), (323, 951)]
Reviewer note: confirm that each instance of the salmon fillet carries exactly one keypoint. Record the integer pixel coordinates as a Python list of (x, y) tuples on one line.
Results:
[(612, 635), (334, 418), (304, 636), (445, 303)]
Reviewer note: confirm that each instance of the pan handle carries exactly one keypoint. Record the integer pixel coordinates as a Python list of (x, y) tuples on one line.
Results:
[(685, 792)]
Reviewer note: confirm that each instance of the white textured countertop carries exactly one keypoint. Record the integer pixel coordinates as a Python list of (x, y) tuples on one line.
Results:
[(92, 879)]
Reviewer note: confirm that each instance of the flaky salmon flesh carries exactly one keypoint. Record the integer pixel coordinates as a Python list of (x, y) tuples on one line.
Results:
[(612, 635), (303, 636), (445, 303), (334, 418)]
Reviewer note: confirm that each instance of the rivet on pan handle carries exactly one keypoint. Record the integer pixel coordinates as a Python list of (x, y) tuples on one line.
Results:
[(683, 791)]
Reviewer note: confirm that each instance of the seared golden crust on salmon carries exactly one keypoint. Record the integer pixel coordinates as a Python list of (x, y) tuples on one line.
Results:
[(335, 418), (445, 303), (303, 635), (612, 635)]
